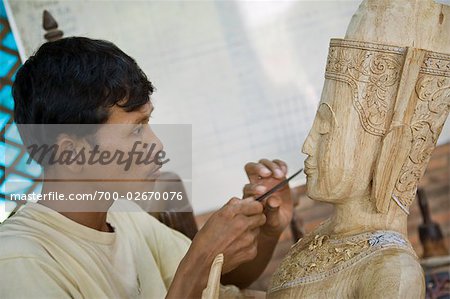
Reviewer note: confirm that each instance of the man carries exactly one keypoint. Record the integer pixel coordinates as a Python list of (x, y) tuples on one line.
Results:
[(89, 249)]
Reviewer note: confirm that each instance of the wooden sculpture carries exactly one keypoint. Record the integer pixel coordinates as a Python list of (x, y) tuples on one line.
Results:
[(212, 289), (384, 102), (51, 27)]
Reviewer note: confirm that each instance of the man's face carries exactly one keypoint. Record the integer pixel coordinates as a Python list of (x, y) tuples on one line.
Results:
[(126, 132), (341, 155)]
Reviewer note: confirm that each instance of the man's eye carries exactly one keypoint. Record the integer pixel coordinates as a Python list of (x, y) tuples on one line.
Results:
[(138, 130)]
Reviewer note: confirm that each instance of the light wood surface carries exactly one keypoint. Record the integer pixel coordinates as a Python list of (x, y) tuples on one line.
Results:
[(213, 286), (385, 99)]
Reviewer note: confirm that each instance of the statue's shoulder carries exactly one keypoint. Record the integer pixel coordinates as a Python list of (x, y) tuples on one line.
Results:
[(394, 261), (392, 273)]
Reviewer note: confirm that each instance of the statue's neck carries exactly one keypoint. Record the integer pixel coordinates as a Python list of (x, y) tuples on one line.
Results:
[(357, 215)]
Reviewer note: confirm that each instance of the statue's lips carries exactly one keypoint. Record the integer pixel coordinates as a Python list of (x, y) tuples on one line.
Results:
[(309, 167)]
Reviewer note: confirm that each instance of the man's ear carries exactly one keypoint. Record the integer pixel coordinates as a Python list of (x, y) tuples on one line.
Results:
[(68, 155)]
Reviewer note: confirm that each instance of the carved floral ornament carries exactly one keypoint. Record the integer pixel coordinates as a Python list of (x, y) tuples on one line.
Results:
[(317, 257), (373, 71)]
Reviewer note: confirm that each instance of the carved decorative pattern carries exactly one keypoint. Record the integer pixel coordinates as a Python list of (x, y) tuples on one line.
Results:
[(373, 72), (317, 257), (436, 64), (433, 93)]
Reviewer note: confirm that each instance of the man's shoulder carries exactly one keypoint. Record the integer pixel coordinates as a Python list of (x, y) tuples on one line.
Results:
[(22, 237), (21, 246)]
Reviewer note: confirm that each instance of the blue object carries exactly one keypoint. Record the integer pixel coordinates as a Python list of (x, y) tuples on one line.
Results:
[(9, 42), (7, 61), (2, 9), (6, 99)]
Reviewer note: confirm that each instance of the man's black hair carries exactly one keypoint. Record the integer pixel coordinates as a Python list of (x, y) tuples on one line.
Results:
[(75, 80)]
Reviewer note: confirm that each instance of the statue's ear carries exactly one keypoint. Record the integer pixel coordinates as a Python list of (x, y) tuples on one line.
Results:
[(395, 149), (397, 142)]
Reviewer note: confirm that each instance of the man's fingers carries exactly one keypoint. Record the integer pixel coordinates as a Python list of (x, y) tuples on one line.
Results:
[(274, 168), (266, 168), (282, 165), (254, 190), (273, 202), (245, 249), (234, 201), (256, 170), (256, 221), (272, 205), (271, 208), (250, 238), (247, 207)]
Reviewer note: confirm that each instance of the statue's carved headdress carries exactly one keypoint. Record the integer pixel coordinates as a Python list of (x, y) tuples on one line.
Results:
[(396, 60)]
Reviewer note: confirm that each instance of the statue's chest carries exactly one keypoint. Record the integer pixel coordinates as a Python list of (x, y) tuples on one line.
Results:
[(318, 257)]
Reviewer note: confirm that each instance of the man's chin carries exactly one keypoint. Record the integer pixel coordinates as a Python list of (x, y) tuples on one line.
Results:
[(154, 174)]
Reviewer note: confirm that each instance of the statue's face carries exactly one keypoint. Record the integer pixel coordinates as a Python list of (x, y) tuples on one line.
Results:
[(341, 155)]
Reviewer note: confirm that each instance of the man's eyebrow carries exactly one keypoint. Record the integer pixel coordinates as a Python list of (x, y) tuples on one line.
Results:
[(145, 117)]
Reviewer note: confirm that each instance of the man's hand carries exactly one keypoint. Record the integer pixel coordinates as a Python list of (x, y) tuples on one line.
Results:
[(278, 207), (245, 231), (278, 210), (233, 230)]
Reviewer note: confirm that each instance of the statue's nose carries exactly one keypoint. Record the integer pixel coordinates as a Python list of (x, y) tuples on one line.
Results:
[(308, 145)]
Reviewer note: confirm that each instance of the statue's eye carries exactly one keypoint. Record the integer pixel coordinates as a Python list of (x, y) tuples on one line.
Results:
[(324, 126)]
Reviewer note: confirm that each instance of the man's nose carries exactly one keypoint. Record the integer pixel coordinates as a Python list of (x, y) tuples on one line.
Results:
[(159, 144), (153, 139)]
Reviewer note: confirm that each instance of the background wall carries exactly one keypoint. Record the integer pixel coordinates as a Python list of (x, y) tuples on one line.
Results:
[(246, 74)]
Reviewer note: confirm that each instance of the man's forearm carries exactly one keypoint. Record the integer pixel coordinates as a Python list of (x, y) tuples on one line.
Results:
[(247, 273)]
